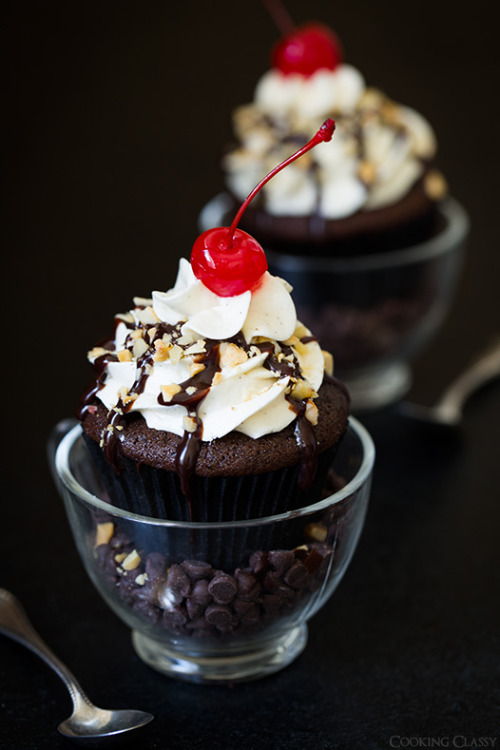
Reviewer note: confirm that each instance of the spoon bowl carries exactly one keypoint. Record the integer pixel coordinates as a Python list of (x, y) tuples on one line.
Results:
[(87, 721)]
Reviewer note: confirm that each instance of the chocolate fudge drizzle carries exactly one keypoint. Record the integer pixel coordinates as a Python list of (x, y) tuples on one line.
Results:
[(190, 395)]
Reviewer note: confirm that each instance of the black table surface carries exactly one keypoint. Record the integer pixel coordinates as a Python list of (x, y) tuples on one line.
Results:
[(116, 117)]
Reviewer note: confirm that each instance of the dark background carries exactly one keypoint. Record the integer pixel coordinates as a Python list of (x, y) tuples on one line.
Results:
[(115, 115)]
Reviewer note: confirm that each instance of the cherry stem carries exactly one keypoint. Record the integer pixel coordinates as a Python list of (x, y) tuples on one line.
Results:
[(281, 17), (324, 134)]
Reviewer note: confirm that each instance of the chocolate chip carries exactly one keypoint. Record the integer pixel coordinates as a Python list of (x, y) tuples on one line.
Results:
[(274, 585), (223, 588), (296, 575), (220, 616), (174, 618), (281, 560), (176, 587), (313, 560), (200, 594), (251, 616), (194, 609), (248, 585), (248, 612), (197, 569), (258, 562)]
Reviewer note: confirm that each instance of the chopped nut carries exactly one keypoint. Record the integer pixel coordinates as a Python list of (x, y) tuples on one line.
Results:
[(104, 533), (175, 354), (311, 412), (217, 378), (316, 531), (128, 398), (169, 391), (141, 579), (435, 185), (190, 424), (197, 348), (195, 368), (142, 301), (371, 99), (191, 389), (146, 316), (162, 350), (391, 112), (97, 351), (328, 358), (126, 317), (231, 355), (136, 334), (125, 355), (120, 557), (140, 348), (303, 390), (367, 172), (152, 333), (185, 339), (131, 561)]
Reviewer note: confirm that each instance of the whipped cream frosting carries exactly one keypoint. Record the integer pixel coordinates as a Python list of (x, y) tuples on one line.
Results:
[(188, 359), (378, 152)]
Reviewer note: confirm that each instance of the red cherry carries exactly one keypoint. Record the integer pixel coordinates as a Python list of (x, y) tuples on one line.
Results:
[(228, 271), (226, 259), (307, 49)]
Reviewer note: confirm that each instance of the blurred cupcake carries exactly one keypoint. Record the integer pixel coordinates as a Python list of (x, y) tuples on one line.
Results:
[(375, 189)]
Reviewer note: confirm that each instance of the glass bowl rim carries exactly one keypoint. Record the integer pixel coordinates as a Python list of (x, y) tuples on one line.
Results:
[(456, 229), (69, 481)]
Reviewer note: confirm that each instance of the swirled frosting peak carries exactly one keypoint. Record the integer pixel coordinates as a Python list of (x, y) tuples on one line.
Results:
[(189, 360)]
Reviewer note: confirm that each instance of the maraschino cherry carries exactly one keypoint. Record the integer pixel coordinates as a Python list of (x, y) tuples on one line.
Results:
[(304, 49), (228, 260), (307, 49)]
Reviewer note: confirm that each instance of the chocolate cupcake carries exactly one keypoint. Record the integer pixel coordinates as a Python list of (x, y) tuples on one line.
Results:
[(198, 416), (376, 189), (211, 401)]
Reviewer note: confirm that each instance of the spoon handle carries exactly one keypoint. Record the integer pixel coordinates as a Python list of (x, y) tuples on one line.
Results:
[(483, 369), (15, 624)]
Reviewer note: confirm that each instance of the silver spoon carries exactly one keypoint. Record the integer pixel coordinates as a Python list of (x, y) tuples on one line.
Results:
[(448, 409), (87, 722)]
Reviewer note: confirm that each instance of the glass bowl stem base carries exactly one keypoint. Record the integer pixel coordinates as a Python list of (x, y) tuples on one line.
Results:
[(236, 667)]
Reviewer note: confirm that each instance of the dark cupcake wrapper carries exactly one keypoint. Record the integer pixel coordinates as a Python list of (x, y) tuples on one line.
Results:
[(156, 493)]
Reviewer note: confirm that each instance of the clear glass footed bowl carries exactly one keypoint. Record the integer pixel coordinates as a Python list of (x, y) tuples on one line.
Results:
[(375, 312), (217, 602)]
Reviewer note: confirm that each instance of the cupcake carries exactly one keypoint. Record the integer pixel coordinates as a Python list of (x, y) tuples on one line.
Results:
[(376, 189), (364, 230), (212, 401)]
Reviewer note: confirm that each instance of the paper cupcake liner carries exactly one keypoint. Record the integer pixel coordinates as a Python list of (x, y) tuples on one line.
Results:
[(156, 493)]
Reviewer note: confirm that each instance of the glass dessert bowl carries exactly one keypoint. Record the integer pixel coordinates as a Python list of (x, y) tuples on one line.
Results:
[(220, 601), (375, 312)]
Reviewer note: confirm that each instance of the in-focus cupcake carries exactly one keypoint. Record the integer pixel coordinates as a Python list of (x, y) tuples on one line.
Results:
[(211, 401), (376, 188)]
